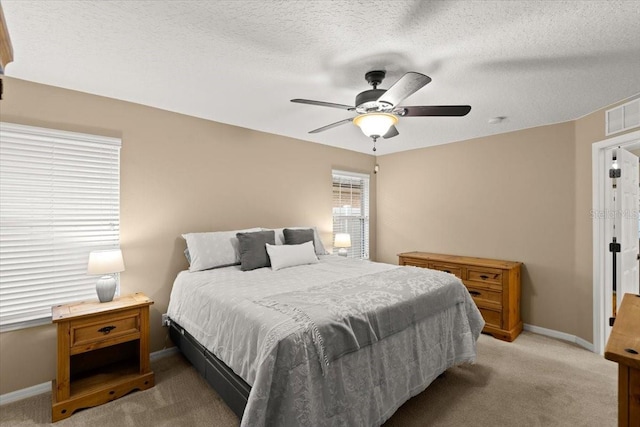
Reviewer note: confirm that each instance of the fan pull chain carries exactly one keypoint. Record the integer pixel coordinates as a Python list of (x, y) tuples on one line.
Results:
[(375, 138)]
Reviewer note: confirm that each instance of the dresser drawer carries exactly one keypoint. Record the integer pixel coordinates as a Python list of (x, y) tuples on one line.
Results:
[(484, 275), (491, 317), (104, 330), (456, 270), (414, 262), (485, 297)]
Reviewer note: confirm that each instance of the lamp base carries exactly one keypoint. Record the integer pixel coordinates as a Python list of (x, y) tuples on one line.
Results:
[(342, 252), (106, 288)]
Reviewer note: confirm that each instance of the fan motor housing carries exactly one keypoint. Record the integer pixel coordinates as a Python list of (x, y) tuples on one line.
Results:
[(367, 101)]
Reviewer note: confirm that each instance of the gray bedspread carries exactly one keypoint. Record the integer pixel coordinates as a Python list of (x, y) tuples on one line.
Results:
[(349, 314)]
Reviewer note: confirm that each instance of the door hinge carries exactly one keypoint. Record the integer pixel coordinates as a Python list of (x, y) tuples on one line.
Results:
[(615, 173)]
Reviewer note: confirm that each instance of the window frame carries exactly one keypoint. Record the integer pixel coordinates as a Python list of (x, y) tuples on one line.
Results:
[(33, 147), (363, 218)]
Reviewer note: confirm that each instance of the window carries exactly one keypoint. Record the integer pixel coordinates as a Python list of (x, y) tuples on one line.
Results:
[(351, 210), (59, 200)]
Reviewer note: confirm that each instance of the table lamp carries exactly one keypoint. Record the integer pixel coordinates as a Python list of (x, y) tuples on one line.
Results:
[(106, 263), (342, 241)]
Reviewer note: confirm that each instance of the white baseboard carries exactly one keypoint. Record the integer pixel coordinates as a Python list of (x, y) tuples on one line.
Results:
[(559, 335), (35, 390), (163, 353)]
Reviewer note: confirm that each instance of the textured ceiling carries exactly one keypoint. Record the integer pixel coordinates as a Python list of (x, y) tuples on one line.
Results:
[(240, 62)]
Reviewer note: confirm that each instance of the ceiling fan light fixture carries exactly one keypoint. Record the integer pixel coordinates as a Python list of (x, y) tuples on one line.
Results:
[(375, 124)]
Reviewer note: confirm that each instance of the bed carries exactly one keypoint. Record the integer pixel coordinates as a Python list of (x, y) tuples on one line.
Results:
[(337, 342)]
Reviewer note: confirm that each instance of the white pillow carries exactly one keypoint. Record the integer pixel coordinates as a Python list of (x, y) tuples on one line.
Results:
[(214, 249), (319, 247), (282, 256)]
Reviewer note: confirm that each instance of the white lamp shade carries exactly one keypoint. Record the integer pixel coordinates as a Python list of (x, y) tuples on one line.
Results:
[(105, 262), (375, 124), (342, 240)]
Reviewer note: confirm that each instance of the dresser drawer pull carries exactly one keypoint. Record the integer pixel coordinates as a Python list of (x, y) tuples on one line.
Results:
[(447, 271), (106, 329), (484, 277), (475, 293)]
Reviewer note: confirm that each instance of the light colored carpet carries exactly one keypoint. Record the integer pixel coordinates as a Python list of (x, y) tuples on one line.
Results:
[(534, 381)]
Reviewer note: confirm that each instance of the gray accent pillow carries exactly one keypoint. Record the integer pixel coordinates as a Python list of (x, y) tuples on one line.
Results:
[(298, 236), (253, 249), (317, 242)]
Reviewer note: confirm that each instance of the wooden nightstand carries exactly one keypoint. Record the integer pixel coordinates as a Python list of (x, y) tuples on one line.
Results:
[(103, 352)]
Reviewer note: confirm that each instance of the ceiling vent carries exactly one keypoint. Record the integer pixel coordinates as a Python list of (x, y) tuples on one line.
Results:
[(623, 117)]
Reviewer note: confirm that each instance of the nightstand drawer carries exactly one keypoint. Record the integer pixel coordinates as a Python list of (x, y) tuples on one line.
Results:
[(105, 329)]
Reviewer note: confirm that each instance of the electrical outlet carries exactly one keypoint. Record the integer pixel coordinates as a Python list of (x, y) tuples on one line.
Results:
[(165, 319)]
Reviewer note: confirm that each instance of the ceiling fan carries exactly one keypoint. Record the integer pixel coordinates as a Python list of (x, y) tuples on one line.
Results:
[(378, 109)]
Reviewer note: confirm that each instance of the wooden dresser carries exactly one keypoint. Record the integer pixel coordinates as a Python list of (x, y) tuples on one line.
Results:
[(623, 347), (493, 284)]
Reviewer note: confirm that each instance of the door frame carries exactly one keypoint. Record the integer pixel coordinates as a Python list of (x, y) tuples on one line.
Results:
[(599, 177)]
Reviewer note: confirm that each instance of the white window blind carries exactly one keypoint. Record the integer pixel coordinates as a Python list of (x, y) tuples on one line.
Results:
[(59, 200), (351, 210)]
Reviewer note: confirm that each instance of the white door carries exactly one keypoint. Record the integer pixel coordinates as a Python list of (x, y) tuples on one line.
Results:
[(627, 204), (623, 199)]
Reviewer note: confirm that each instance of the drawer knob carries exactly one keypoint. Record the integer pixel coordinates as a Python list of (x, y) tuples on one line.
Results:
[(476, 293), (447, 271), (106, 329), (484, 277)]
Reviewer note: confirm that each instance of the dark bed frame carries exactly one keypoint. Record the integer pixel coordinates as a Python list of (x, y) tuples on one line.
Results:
[(231, 388)]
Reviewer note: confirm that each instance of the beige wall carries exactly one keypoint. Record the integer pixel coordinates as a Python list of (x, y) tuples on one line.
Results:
[(178, 174), (508, 196), (522, 196)]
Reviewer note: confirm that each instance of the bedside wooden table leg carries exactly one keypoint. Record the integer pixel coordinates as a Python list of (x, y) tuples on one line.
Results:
[(144, 341), (62, 379)]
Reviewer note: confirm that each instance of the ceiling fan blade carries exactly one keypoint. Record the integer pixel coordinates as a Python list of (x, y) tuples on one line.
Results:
[(405, 86), (324, 104), (393, 131), (435, 110), (332, 125)]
